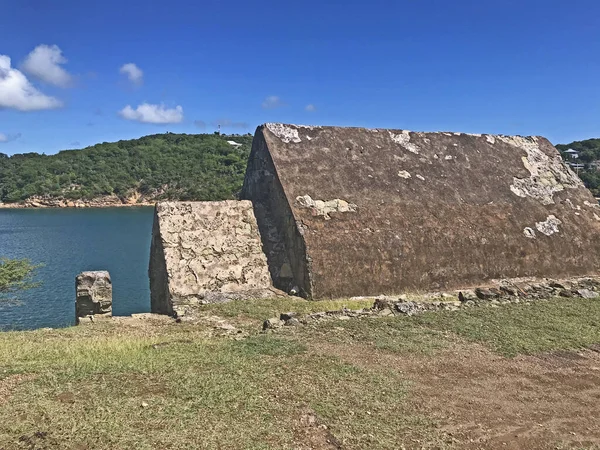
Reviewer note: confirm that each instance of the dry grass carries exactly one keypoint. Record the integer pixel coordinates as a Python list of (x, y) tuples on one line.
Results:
[(111, 386)]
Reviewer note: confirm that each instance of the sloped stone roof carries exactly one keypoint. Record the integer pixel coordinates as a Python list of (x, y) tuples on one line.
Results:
[(381, 211)]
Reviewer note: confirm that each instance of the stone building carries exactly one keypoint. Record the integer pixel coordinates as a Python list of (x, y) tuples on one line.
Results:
[(338, 212), (354, 211)]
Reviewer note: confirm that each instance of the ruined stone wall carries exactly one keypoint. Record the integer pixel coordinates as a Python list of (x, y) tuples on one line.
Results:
[(205, 252), (93, 296), (384, 211)]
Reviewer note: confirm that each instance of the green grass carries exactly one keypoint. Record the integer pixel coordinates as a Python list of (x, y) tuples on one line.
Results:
[(268, 345), (524, 328), (201, 393), (88, 384), (394, 334), (261, 309), (512, 329)]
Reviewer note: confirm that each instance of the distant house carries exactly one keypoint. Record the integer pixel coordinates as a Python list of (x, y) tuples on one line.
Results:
[(570, 153), (576, 166)]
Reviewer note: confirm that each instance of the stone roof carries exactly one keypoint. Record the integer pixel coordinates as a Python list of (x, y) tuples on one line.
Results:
[(381, 211)]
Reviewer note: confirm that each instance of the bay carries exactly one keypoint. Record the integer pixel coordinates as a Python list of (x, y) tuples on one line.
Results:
[(70, 241)]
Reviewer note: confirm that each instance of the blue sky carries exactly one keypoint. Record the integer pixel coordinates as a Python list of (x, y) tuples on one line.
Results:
[(512, 67)]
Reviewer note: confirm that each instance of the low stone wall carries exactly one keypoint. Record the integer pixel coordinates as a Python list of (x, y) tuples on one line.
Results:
[(522, 290), (93, 293), (205, 252)]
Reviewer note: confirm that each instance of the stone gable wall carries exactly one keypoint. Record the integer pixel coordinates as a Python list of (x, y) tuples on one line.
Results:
[(205, 252), (282, 238)]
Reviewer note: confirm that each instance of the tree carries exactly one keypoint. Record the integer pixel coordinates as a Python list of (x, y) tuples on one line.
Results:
[(16, 275)]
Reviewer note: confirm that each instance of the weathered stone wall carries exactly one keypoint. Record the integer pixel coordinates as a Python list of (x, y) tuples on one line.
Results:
[(281, 236), (93, 296), (205, 252), (378, 211)]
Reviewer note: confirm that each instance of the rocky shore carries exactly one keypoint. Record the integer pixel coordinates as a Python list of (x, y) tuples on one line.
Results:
[(107, 201)]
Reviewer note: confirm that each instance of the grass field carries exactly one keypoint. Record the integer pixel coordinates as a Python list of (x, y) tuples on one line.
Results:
[(519, 376)]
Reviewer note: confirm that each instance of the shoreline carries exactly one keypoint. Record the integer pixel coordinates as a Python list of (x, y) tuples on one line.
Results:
[(78, 206)]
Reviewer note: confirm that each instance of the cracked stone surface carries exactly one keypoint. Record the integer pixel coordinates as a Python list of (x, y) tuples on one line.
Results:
[(205, 252)]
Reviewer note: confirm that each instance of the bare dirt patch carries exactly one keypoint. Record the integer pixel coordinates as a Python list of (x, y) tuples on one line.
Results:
[(482, 400), (311, 433)]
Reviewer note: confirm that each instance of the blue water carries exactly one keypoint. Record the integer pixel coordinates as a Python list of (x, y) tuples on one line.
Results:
[(70, 241)]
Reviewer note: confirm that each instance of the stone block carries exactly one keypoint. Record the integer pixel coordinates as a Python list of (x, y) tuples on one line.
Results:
[(93, 292)]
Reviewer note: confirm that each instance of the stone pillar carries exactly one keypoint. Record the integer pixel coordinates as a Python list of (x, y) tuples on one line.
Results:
[(93, 292)]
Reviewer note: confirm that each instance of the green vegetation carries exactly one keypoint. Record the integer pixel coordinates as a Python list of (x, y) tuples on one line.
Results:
[(15, 274), (524, 329), (356, 384), (261, 309), (162, 166), (109, 388), (510, 330), (589, 152)]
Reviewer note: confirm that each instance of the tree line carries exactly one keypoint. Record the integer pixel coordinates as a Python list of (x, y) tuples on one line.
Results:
[(162, 166)]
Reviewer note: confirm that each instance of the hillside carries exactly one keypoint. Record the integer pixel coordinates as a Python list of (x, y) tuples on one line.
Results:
[(589, 153), (161, 166)]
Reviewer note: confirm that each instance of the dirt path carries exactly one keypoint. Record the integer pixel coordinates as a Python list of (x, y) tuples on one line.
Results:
[(482, 400)]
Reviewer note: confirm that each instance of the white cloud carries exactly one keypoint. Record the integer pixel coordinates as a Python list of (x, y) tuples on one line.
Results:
[(44, 63), (16, 92), (310, 108), (147, 113), (9, 138), (271, 102), (133, 72)]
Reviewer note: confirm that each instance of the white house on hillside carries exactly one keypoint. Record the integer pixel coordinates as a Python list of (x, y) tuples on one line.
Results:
[(573, 154)]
